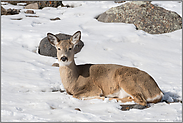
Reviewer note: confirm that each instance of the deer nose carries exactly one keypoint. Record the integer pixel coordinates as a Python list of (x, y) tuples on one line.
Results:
[(64, 58)]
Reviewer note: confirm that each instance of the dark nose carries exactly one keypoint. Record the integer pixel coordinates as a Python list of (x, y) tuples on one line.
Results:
[(64, 58)]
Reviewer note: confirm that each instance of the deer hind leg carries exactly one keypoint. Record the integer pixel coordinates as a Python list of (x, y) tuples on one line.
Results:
[(139, 98)]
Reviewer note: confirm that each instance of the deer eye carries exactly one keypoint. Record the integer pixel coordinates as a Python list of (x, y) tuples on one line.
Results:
[(70, 48), (58, 48)]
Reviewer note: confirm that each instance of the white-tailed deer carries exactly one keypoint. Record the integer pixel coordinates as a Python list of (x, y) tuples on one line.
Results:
[(97, 80)]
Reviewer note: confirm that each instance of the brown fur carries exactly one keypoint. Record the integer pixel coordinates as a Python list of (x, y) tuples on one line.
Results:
[(93, 80)]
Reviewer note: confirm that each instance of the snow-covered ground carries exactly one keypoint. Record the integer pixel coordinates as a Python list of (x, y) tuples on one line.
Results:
[(27, 78)]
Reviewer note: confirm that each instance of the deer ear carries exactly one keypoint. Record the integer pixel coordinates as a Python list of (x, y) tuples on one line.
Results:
[(78, 47), (76, 37), (52, 39)]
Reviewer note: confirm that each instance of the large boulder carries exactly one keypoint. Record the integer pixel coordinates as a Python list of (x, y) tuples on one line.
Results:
[(32, 6), (46, 49), (145, 16)]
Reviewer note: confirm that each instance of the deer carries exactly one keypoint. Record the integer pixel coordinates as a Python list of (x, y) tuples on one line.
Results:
[(99, 81)]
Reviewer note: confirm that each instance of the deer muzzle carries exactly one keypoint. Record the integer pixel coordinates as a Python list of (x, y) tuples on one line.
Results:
[(64, 58)]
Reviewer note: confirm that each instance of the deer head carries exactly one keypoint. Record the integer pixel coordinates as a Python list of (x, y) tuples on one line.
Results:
[(65, 48)]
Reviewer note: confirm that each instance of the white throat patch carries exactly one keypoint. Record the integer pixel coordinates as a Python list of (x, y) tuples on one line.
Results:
[(64, 63)]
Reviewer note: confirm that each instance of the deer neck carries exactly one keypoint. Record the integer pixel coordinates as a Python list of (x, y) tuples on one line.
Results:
[(69, 75)]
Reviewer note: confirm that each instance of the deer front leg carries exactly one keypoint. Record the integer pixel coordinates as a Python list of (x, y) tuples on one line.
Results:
[(123, 100), (88, 91)]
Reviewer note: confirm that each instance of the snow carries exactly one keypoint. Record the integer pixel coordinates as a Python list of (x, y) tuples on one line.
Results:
[(28, 79)]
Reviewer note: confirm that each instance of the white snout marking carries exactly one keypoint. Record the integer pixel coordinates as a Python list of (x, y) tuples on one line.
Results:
[(63, 55)]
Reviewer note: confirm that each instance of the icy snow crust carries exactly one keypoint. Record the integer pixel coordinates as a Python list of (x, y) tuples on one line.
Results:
[(28, 79)]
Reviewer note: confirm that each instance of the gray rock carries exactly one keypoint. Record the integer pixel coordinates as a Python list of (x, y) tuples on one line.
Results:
[(13, 11), (9, 11), (32, 6), (3, 11), (16, 18), (53, 19), (46, 49), (30, 12), (119, 1), (145, 16)]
